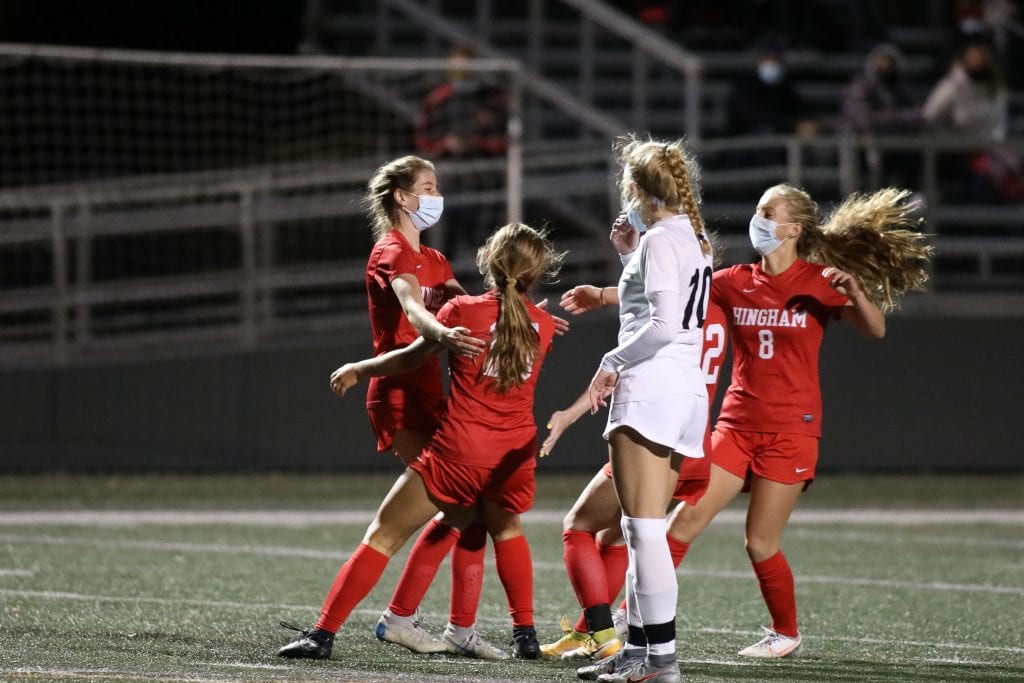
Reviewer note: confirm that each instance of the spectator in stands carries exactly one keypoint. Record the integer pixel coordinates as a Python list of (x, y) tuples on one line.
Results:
[(879, 99), (465, 117), (879, 102), (972, 101), (766, 102)]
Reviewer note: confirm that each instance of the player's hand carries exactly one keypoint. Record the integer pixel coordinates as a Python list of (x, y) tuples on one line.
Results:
[(457, 340), (601, 388), (561, 324), (624, 237), (557, 424), (581, 298), (344, 378), (844, 283)]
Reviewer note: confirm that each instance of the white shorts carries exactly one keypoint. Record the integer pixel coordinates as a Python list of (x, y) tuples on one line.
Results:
[(677, 421)]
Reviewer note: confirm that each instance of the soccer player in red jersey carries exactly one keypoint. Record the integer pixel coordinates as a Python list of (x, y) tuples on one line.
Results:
[(595, 558), (480, 460), (407, 283), (852, 267)]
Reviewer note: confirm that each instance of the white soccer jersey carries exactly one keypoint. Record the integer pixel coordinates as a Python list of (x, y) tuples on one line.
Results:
[(663, 295)]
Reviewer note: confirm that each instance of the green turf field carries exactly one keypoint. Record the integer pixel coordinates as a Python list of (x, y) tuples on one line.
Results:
[(186, 578)]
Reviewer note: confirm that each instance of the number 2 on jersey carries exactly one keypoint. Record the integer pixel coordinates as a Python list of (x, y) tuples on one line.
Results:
[(714, 346)]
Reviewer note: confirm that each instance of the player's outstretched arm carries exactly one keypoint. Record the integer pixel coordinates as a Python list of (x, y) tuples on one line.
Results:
[(455, 339), (394, 362), (583, 298), (561, 324), (561, 420)]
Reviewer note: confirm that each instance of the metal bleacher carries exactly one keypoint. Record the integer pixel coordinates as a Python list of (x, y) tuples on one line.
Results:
[(258, 258)]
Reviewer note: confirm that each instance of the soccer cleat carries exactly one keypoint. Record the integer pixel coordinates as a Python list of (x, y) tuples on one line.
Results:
[(620, 661), (524, 641), (772, 645), (621, 625), (592, 651), (406, 631), (471, 645), (571, 640), (312, 644), (583, 651), (645, 670)]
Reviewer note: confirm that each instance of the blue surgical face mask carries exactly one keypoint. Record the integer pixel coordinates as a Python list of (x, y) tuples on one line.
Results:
[(636, 219), (429, 212), (763, 236), (770, 72)]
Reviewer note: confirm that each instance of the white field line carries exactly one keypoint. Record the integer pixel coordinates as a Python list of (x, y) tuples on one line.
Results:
[(176, 546), (307, 518), (17, 572), (539, 565), (880, 583), (339, 675), (958, 540), (873, 641), (112, 674), (376, 612)]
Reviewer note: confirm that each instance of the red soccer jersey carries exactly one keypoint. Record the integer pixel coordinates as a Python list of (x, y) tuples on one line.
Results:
[(712, 358), (777, 324), (392, 256), (482, 427)]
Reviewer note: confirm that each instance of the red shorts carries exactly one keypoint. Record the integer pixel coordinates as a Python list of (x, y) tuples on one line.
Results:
[(388, 419), (509, 487), (782, 458), (693, 479)]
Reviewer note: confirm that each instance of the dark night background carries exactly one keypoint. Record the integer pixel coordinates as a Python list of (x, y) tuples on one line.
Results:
[(261, 26)]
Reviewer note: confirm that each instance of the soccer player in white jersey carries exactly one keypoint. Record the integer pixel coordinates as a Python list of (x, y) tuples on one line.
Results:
[(658, 408)]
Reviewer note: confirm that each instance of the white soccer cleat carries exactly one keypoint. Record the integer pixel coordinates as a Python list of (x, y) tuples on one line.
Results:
[(472, 645), (645, 670), (406, 631), (773, 645), (618, 663)]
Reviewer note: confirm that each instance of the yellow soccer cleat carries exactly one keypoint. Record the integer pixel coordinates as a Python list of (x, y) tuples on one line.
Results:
[(570, 641)]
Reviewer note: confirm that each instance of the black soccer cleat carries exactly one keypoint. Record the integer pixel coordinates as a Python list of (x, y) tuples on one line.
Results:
[(525, 645), (312, 644)]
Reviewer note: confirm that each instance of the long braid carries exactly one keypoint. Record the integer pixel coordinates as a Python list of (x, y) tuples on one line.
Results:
[(666, 172), (686, 175)]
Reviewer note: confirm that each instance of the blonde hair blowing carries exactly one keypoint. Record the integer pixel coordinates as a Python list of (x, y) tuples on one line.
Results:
[(665, 171), (511, 260), (874, 237), (399, 174)]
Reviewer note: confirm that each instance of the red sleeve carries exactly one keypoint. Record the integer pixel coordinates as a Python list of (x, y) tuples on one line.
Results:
[(449, 313), (394, 261), (830, 298), (719, 286)]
